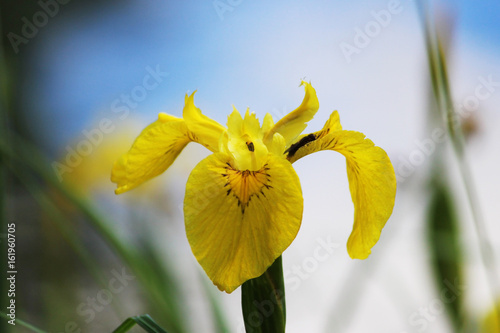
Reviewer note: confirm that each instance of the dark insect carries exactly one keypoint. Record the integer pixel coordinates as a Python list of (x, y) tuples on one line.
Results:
[(302, 142), (250, 146)]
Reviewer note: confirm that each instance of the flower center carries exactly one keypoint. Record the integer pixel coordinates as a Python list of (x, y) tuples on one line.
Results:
[(243, 185), (244, 141)]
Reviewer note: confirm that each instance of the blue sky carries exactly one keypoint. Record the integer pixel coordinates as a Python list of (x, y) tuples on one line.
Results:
[(87, 60), (479, 20)]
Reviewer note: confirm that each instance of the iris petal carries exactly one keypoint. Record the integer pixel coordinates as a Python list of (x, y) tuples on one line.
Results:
[(295, 122), (237, 222), (154, 150), (245, 141), (205, 131), (372, 181)]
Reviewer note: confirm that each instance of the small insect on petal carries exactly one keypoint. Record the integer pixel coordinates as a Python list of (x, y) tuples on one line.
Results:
[(302, 142), (250, 146)]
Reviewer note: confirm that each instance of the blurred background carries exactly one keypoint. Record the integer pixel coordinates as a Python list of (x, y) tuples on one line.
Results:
[(79, 80)]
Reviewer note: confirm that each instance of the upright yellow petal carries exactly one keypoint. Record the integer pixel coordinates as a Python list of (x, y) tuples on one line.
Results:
[(239, 222), (332, 124), (245, 141), (372, 180), (295, 122), (154, 150), (205, 131), (267, 123)]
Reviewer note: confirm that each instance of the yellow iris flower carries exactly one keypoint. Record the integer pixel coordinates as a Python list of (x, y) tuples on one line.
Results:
[(491, 323), (243, 204)]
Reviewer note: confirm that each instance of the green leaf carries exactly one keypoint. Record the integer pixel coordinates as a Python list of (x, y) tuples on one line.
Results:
[(21, 323), (145, 321), (445, 250), (263, 301)]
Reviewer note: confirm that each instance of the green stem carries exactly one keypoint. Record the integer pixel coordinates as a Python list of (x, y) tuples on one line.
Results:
[(263, 301)]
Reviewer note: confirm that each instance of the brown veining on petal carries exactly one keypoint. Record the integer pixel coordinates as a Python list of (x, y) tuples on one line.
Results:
[(243, 185)]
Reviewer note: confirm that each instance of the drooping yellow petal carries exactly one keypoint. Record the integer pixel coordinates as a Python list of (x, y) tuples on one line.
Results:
[(154, 150), (239, 222), (372, 180), (295, 122), (205, 131), (309, 143)]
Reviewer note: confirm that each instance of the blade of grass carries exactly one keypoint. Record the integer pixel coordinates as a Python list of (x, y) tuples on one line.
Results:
[(165, 277), (168, 305), (161, 277), (438, 68), (444, 244), (159, 293), (64, 226), (145, 321), (146, 248), (56, 217), (218, 316), (23, 323)]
